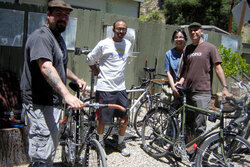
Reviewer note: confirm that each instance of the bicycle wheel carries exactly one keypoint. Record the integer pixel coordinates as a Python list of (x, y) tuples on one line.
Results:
[(94, 155), (246, 131), (236, 151), (68, 154), (140, 114), (157, 127)]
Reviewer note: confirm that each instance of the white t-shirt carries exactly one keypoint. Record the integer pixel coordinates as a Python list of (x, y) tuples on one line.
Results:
[(112, 57)]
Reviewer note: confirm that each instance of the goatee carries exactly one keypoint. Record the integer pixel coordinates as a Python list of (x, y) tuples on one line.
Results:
[(60, 27)]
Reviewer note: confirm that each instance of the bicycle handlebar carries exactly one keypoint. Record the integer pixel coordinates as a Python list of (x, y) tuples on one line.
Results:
[(97, 105), (237, 105), (247, 77), (241, 83), (79, 51)]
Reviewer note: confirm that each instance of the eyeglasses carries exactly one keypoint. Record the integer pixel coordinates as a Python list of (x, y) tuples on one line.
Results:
[(121, 29)]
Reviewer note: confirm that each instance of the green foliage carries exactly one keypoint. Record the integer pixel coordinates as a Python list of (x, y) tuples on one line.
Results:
[(152, 15), (207, 12), (233, 63)]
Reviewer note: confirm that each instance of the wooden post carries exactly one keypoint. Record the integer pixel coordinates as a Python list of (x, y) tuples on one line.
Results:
[(231, 17), (13, 146), (242, 17)]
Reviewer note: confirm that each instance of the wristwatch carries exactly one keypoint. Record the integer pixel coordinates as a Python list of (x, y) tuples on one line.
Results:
[(225, 86)]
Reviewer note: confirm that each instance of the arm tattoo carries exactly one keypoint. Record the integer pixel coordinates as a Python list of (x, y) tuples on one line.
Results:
[(52, 80)]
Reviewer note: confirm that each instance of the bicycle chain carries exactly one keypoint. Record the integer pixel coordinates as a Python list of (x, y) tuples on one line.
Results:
[(180, 150)]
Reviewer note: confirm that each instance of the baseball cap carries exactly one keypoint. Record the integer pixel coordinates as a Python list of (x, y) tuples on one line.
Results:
[(59, 4), (194, 24)]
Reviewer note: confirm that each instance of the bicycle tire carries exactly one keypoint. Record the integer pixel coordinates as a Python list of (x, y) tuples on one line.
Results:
[(246, 131), (236, 149), (140, 115), (243, 130), (94, 155), (155, 128), (68, 154)]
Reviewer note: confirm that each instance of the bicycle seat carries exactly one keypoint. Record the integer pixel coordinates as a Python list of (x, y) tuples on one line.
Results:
[(183, 89), (74, 86), (239, 101), (149, 69)]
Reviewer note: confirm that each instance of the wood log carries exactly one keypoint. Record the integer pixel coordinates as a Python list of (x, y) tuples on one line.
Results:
[(13, 146)]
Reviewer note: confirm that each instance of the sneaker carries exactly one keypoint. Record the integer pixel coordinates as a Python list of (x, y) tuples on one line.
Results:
[(123, 150)]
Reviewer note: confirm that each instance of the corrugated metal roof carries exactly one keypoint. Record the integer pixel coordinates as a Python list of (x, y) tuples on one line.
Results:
[(139, 0)]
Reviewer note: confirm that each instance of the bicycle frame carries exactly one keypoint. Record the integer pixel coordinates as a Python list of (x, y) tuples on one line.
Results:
[(201, 137), (136, 102), (183, 110)]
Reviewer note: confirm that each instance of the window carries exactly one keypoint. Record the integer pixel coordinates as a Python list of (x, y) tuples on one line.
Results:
[(11, 29), (37, 20)]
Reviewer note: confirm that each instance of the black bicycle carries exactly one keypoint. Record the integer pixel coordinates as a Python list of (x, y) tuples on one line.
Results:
[(80, 146)]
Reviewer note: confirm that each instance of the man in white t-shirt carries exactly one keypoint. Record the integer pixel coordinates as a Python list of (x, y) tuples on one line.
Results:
[(111, 54)]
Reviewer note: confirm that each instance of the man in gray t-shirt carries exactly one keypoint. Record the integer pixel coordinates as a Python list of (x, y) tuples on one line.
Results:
[(199, 58), (43, 83)]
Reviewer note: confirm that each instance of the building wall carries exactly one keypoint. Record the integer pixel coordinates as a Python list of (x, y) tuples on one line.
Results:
[(121, 7), (246, 52)]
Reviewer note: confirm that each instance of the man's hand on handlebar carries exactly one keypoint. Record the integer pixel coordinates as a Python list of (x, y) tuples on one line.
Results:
[(73, 102)]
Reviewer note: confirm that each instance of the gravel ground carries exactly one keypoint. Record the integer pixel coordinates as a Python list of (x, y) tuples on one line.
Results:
[(138, 157)]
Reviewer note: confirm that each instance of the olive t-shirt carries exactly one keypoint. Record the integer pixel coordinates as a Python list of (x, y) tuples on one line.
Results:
[(198, 66), (42, 43)]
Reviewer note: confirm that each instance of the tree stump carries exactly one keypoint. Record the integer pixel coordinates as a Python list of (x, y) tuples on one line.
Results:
[(13, 146)]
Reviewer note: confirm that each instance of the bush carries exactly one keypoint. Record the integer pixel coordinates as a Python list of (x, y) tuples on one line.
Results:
[(232, 63)]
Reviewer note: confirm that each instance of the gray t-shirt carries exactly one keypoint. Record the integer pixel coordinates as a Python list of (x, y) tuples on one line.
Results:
[(42, 43)]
